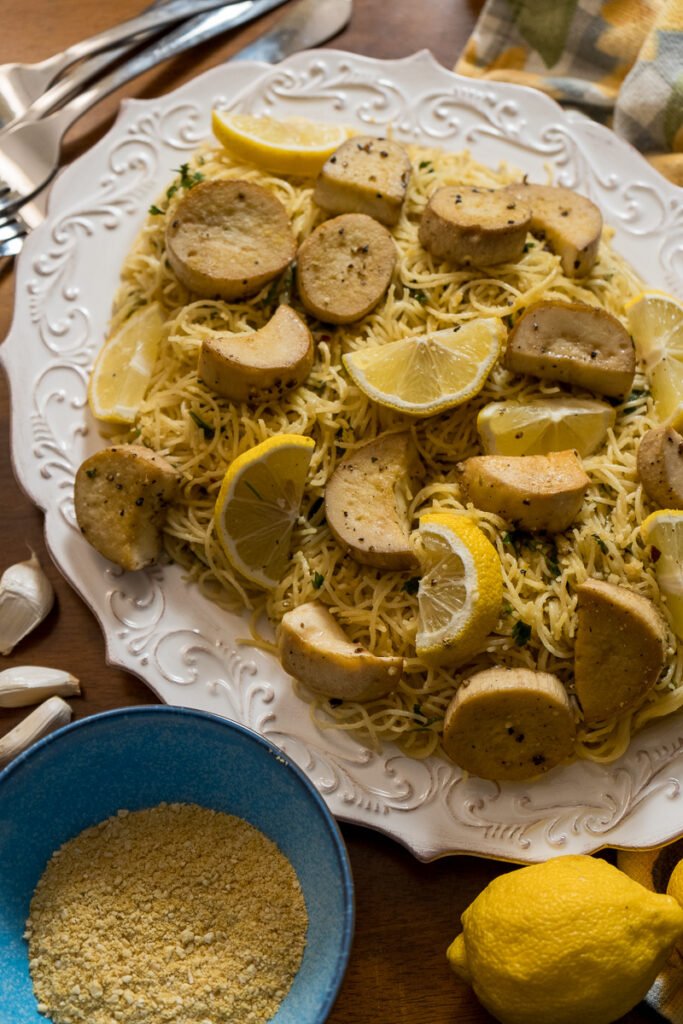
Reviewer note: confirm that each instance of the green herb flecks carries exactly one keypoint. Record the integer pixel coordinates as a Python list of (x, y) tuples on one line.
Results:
[(521, 633), (412, 585), (208, 431), (317, 579)]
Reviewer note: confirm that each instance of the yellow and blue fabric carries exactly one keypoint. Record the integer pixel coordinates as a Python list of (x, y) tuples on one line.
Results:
[(620, 61)]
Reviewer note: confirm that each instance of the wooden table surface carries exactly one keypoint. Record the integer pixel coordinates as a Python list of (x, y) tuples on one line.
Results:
[(407, 912)]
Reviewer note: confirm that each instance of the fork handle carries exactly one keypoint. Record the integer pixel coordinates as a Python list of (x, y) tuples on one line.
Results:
[(129, 30), (177, 41)]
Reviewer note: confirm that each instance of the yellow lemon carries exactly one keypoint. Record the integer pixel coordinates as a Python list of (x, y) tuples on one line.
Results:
[(655, 321), (571, 940), (421, 376), (124, 365), (461, 588), (294, 146), (258, 505), (663, 530), (544, 425)]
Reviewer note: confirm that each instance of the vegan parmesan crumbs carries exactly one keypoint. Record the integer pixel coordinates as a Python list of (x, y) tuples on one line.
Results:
[(176, 913)]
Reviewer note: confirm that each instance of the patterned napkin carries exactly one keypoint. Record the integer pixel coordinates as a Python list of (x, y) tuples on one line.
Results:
[(620, 61)]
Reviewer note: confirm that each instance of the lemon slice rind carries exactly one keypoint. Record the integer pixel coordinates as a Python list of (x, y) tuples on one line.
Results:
[(295, 146), (123, 368), (425, 375), (258, 505), (461, 589)]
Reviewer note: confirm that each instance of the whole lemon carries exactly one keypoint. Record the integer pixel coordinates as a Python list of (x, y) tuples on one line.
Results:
[(573, 939)]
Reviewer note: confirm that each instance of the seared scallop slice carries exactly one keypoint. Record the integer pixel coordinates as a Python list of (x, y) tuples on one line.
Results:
[(619, 652), (574, 343), (261, 365), (509, 724), (538, 492), (228, 238), (365, 175), (121, 497), (660, 466), (366, 503), (344, 268), (315, 649), (570, 222), (464, 225)]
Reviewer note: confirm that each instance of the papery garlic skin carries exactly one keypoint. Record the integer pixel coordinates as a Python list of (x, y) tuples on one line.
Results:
[(26, 596), (49, 715), (29, 684)]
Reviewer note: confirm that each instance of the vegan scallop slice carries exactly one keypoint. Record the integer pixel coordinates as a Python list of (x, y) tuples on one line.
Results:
[(574, 343), (260, 365), (366, 499), (228, 238), (344, 268), (660, 466), (121, 496), (464, 224), (538, 492), (509, 724), (570, 222), (314, 649), (365, 175), (620, 649)]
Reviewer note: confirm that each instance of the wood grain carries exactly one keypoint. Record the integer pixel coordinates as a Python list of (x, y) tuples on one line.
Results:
[(407, 912)]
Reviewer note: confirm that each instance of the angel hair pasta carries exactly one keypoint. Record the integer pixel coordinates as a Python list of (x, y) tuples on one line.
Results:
[(201, 433)]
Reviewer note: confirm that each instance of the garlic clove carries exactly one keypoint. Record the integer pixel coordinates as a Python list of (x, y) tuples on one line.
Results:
[(26, 596), (51, 714), (29, 684)]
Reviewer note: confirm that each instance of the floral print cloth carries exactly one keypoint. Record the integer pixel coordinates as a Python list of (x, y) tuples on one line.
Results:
[(618, 60)]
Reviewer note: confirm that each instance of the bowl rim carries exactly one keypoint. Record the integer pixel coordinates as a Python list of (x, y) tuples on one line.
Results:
[(250, 735)]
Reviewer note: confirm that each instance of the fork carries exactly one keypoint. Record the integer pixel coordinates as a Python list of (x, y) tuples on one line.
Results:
[(22, 84), (29, 151)]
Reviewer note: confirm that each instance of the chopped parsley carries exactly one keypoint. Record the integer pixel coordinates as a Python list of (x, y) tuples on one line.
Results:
[(155, 211), (187, 180), (318, 580), (521, 633), (601, 544), (207, 429), (412, 585), (425, 165), (419, 296)]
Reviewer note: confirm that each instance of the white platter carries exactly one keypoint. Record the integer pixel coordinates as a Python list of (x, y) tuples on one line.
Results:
[(160, 628)]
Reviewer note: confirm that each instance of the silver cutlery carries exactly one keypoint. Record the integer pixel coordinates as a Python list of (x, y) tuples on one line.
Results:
[(22, 84), (29, 150), (305, 24)]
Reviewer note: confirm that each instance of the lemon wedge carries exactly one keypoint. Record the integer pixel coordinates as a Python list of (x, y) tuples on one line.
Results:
[(664, 531), (123, 367), (544, 425), (655, 321), (461, 589), (258, 505), (294, 146), (423, 375)]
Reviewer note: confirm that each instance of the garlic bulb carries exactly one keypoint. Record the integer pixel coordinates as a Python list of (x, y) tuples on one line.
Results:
[(51, 714), (26, 596), (29, 684)]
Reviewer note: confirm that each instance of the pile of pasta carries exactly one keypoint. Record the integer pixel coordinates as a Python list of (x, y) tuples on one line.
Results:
[(201, 433)]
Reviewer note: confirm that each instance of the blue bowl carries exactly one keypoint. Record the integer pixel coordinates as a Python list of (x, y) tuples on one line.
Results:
[(138, 757)]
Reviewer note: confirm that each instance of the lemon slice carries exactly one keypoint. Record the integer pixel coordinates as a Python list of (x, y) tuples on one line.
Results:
[(258, 505), (123, 368), (655, 321), (461, 589), (664, 531), (544, 425), (424, 375), (295, 146)]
